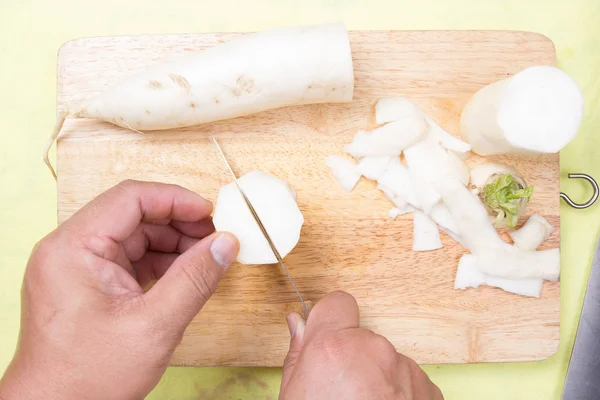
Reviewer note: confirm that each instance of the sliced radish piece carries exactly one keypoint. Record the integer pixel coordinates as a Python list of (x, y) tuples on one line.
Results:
[(426, 235), (276, 208), (396, 211), (535, 232), (456, 237), (425, 193), (393, 109), (519, 264), (440, 214), (538, 110), (459, 166), (390, 139), (470, 215), (397, 183), (344, 171), (373, 167), (468, 275), (446, 139)]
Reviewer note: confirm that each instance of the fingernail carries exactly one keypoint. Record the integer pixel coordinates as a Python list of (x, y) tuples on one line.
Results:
[(296, 325), (223, 250)]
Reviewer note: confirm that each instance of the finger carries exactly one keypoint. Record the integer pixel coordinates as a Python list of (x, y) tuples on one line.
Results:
[(337, 311), (198, 229), (152, 266), (151, 237), (192, 279), (296, 326), (117, 212)]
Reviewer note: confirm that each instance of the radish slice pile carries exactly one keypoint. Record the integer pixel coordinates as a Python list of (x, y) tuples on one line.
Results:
[(420, 169)]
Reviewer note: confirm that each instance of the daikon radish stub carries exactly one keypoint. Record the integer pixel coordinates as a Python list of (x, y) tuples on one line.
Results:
[(536, 111), (253, 73), (275, 204)]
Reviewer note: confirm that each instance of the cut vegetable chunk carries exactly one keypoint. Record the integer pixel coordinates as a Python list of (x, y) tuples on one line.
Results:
[(518, 264), (538, 110), (396, 182), (373, 167), (468, 275), (535, 232), (426, 234), (440, 214), (344, 171), (446, 139), (394, 108), (394, 212), (276, 208)]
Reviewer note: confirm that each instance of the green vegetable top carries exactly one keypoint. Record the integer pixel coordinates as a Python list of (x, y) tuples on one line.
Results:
[(507, 198)]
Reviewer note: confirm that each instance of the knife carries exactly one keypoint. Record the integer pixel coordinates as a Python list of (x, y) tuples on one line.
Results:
[(583, 374), (260, 225)]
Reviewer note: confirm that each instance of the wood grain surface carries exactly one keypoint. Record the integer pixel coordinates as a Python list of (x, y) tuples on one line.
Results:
[(347, 242)]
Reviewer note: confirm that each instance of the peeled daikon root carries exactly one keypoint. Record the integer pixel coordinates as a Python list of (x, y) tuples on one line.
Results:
[(396, 181), (276, 207), (344, 171), (468, 275), (535, 111), (426, 235), (535, 232)]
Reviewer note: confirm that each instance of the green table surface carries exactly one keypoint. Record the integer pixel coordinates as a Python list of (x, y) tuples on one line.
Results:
[(31, 32)]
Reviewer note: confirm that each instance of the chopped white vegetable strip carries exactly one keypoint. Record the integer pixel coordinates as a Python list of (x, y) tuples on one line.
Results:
[(538, 110), (396, 181), (457, 164), (470, 215), (394, 212), (457, 238), (390, 139), (426, 194), (393, 109), (399, 202), (344, 171), (535, 232), (513, 263), (426, 235), (446, 139), (275, 205), (468, 275), (440, 214), (373, 167)]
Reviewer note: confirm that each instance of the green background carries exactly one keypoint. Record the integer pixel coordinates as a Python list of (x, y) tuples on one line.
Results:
[(31, 33)]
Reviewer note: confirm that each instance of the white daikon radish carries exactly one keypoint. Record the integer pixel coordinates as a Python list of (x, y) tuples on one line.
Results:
[(468, 275), (398, 202), (512, 263), (425, 193), (344, 171), (440, 214), (503, 192), (457, 238), (373, 167), (276, 208), (394, 108), (397, 183), (535, 232), (426, 235), (446, 139), (390, 139), (535, 111), (458, 164), (394, 212), (262, 71), (469, 214)]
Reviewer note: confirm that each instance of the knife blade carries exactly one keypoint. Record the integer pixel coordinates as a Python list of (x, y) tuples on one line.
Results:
[(260, 225), (583, 374)]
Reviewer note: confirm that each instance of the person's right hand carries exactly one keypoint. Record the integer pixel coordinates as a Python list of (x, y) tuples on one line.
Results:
[(331, 357)]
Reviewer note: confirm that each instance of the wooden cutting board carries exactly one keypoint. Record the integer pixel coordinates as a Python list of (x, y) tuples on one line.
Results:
[(347, 242)]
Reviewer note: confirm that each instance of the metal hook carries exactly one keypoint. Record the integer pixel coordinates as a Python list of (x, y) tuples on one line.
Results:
[(591, 201)]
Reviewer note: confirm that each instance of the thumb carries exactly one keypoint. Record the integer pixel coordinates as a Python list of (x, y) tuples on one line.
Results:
[(296, 326), (194, 276)]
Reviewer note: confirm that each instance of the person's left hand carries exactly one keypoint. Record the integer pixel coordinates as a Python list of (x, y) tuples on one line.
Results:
[(88, 330)]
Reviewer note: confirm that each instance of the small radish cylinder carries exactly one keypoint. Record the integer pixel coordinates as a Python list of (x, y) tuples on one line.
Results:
[(535, 111)]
